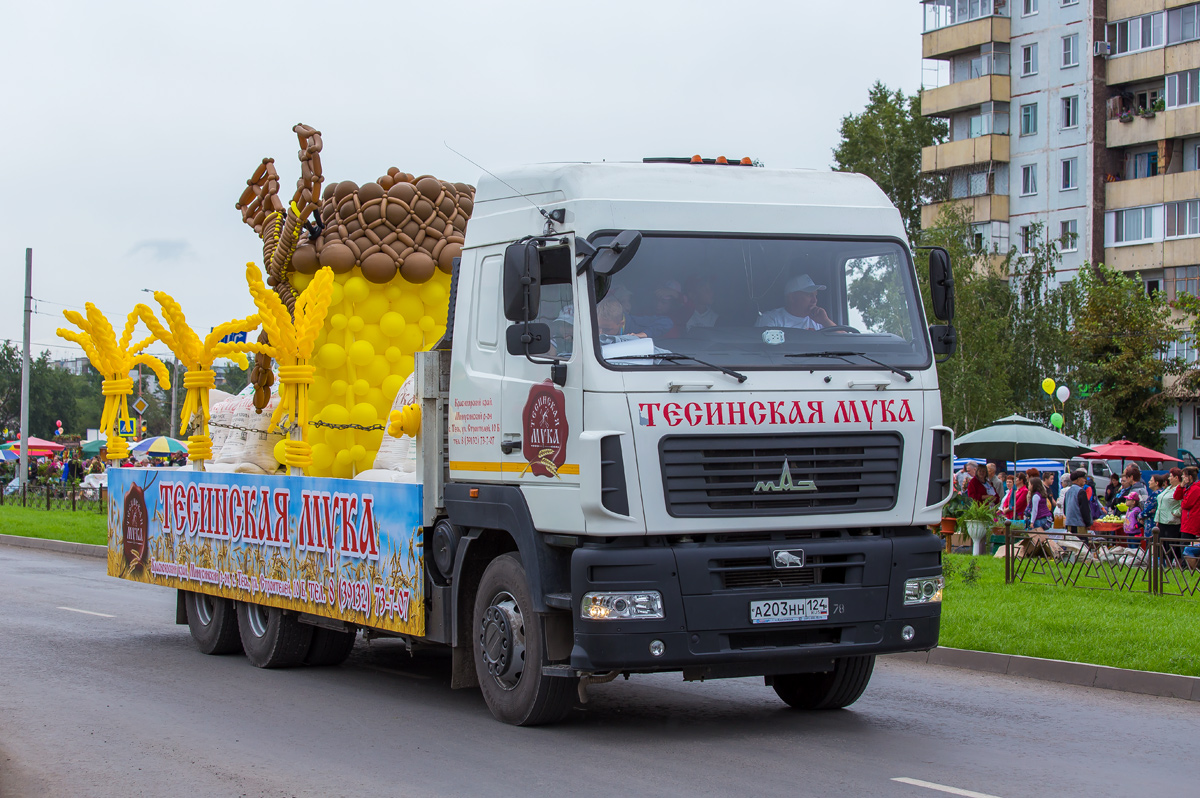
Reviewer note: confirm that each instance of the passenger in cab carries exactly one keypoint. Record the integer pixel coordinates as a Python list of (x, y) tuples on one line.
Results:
[(799, 309)]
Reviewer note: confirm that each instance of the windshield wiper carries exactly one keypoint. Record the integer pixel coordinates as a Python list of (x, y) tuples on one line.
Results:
[(676, 356), (845, 355)]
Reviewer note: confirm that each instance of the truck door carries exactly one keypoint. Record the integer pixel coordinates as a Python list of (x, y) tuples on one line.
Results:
[(540, 418)]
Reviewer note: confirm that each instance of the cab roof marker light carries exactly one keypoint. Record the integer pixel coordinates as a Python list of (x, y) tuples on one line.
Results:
[(722, 159)]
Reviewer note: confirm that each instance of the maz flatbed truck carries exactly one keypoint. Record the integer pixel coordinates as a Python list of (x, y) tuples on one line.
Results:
[(643, 447)]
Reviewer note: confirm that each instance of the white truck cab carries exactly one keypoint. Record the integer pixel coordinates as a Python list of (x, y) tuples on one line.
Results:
[(686, 418)]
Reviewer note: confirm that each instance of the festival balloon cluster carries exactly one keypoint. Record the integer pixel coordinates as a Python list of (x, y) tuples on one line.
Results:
[(356, 282), (1062, 393)]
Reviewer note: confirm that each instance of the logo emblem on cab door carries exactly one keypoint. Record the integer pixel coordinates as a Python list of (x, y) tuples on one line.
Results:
[(785, 483), (544, 443), (788, 558)]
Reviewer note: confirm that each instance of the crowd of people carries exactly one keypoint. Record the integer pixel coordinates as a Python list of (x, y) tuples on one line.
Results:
[(1168, 501)]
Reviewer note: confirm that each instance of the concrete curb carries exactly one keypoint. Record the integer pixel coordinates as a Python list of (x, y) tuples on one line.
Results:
[(1163, 685), (62, 546)]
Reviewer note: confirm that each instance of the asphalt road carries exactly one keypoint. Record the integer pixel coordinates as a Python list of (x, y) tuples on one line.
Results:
[(121, 703)]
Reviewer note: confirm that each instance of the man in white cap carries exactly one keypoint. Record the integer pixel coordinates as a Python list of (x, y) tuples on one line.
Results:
[(799, 307)]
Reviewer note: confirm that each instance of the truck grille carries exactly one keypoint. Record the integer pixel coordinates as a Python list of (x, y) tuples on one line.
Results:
[(717, 475), (745, 573)]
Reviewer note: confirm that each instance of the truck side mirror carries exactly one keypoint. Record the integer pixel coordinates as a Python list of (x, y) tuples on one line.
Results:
[(522, 281), (528, 339), (945, 339), (615, 255), (941, 283)]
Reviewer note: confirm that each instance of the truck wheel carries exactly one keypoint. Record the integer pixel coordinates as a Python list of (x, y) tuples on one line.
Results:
[(508, 644), (213, 622), (329, 647), (270, 638), (836, 689)]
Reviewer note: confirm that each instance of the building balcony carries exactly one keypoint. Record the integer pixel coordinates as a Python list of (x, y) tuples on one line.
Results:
[(965, 94), (1169, 124), (1146, 65), (984, 208), (965, 152), (946, 42), (1139, 258), (1152, 190)]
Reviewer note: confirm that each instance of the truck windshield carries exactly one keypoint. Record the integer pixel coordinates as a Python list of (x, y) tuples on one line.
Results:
[(754, 302)]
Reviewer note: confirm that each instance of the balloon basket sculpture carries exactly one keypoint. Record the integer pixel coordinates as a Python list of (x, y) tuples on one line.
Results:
[(356, 282)]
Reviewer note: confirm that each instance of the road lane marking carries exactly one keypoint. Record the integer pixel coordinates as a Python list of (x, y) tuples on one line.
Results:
[(929, 785), (87, 612)]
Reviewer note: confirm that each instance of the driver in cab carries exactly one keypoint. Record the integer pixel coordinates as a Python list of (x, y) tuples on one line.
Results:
[(800, 310)]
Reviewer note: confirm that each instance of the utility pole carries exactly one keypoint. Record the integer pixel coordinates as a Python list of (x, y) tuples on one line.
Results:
[(174, 379), (24, 463)]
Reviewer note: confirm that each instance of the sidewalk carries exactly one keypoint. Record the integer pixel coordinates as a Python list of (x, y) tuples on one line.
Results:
[(1163, 685)]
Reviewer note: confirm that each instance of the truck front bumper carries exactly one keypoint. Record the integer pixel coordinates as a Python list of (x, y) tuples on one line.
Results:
[(707, 589)]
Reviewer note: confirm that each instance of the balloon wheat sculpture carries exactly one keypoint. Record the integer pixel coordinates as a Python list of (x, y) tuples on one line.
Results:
[(198, 357), (113, 359), (291, 345)]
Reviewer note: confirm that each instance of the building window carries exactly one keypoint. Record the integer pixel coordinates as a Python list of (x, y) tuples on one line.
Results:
[(1029, 59), (1141, 164), (1029, 119), (1028, 179), (1183, 218), (1181, 24), (1134, 224), (1181, 280), (1026, 238), (1068, 239), (1070, 50), (977, 184), (1031, 7), (1070, 2), (1195, 409), (1138, 33), (1070, 112), (1070, 174), (1183, 88)]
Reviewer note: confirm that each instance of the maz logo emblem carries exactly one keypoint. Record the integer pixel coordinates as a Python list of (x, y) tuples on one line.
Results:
[(783, 558), (785, 483)]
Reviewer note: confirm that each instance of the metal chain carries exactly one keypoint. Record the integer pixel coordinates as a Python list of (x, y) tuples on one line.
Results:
[(285, 429)]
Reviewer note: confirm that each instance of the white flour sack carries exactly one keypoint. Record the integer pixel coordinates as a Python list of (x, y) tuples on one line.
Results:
[(260, 444), (399, 454), (220, 416), (236, 415)]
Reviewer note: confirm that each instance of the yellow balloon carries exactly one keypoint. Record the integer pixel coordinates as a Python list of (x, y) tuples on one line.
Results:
[(337, 389), (358, 452), (357, 288), (343, 470), (338, 293), (355, 323), (363, 414), (378, 370), (432, 293), (322, 456), (393, 292), (279, 452), (391, 324), (361, 353), (318, 392), (375, 335), (409, 306), (338, 321), (335, 414), (412, 339), (361, 387), (300, 281), (1048, 385), (393, 354), (427, 324), (391, 386), (372, 308), (407, 364), (331, 356), (343, 458)]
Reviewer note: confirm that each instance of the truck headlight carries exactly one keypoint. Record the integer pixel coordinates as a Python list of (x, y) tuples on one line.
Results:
[(620, 605), (926, 590)]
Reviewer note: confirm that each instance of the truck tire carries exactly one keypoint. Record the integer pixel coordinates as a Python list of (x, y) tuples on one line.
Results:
[(213, 623), (508, 648), (272, 639), (836, 689), (329, 647)]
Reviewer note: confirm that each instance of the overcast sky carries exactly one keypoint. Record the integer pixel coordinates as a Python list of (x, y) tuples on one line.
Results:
[(130, 128)]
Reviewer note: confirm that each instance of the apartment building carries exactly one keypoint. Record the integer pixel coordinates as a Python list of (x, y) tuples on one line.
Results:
[(1080, 115)]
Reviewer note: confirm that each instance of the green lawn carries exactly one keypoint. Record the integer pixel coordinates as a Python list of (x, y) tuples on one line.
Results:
[(78, 526), (1123, 630)]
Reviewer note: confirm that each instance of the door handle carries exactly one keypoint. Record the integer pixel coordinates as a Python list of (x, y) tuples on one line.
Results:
[(510, 446)]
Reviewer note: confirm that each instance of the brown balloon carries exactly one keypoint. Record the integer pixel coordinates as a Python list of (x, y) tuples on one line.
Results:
[(379, 267), (447, 256), (304, 260), (337, 257), (417, 267)]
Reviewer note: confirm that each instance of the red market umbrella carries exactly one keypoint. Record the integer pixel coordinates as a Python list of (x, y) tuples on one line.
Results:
[(37, 444), (1128, 450)]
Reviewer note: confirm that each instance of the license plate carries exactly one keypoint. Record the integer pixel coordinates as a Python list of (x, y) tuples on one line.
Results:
[(789, 610)]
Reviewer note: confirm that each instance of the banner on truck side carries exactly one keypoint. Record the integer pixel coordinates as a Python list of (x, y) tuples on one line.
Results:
[(333, 547)]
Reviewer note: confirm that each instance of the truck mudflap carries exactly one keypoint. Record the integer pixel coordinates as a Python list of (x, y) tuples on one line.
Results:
[(738, 607)]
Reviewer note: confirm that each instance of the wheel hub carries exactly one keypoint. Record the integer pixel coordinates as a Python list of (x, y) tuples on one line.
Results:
[(502, 641), (258, 617)]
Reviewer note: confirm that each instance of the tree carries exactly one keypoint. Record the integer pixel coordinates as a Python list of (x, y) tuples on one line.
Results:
[(54, 395), (884, 143)]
